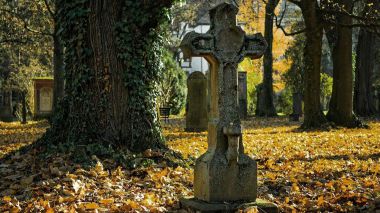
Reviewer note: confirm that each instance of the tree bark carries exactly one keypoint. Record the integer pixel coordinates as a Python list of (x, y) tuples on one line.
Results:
[(112, 66), (364, 103), (59, 75), (341, 103), (314, 117), (364, 100), (266, 105)]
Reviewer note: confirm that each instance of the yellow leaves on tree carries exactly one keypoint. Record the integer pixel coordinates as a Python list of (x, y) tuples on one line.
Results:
[(252, 17)]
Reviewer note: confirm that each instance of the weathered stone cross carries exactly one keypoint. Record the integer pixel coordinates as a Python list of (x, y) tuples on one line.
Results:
[(224, 173)]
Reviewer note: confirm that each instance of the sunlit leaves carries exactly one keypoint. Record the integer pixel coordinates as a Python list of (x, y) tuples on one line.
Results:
[(300, 171), (305, 171)]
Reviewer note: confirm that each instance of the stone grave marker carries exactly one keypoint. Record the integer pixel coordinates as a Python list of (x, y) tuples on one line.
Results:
[(225, 179), (43, 96), (243, 98), (196, 116)]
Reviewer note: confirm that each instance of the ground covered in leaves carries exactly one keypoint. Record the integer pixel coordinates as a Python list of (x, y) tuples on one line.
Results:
[(335, 171)]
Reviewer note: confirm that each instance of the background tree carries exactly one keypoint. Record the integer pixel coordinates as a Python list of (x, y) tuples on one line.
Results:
[(39, 19), (341, 103), (314, 117), (337, 14), (294, 77), (172, 85), (252, 16), (23, 53), (265, 106), (184, 15), (340, 15), (364, 100)]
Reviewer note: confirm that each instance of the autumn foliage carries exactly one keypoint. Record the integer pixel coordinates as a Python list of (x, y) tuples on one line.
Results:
[(334, 171)]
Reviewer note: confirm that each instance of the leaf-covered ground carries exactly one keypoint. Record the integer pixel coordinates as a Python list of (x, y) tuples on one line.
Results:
[(334, 171)]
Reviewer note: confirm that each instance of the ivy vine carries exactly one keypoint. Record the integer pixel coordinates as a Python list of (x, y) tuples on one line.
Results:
[(77, 121)]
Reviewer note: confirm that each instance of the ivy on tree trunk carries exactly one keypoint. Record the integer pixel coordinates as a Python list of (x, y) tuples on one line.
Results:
[(113, 51)]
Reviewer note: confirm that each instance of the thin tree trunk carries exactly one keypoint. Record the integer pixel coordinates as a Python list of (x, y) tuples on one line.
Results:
[(314, 117), (341, 104), (23, 110), (266, 105), (364, 103)]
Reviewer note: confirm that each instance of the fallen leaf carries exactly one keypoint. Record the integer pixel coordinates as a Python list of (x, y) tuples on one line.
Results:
[(107, 201)]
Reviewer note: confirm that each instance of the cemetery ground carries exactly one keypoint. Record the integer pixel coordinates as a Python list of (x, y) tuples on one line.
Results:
[(335, 171)]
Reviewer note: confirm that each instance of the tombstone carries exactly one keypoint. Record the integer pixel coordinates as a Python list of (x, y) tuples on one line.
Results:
[(224, 176), (243, 98), (43, 96), (196, 116)]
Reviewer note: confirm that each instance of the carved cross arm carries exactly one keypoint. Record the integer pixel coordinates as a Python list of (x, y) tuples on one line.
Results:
[(255, 46), (195, 44)]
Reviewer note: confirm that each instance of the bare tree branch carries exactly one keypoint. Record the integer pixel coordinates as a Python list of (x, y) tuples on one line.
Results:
[(25, 23), (279, 24)]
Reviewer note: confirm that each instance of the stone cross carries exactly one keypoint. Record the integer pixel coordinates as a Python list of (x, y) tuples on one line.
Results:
[(224, 173)]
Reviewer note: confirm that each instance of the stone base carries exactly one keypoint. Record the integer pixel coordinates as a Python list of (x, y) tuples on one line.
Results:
[(217, 180), (195, 205)]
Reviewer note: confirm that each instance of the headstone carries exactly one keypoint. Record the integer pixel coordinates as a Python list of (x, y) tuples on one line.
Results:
[(224, 175), (46, 99), (43, 96), (196, 116), (243, 98)]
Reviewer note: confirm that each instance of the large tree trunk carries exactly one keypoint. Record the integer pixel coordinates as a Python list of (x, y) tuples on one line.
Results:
[(341, 103), (59, 76), (364, 103), (314, 117), (112, 66), (266, 105)]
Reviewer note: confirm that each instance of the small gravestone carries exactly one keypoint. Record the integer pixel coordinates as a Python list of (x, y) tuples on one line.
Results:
[(243, 101), (225, 178), (196, 116), (43, 96)]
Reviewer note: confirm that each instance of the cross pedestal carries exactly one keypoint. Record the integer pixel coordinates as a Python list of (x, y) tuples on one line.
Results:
[(225, 177)]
